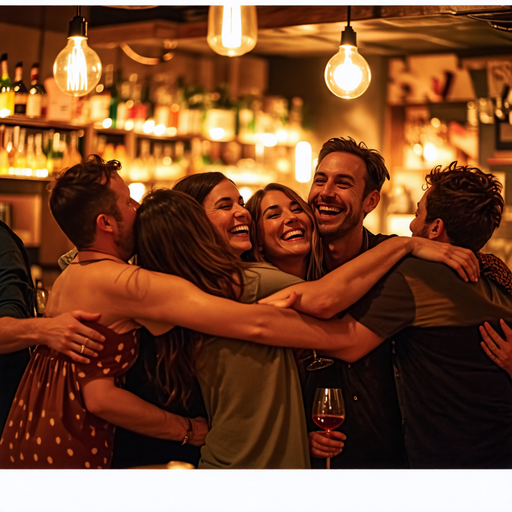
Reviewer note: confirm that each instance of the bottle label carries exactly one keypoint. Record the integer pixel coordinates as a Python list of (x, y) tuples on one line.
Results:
[(34, 105), (20, 103)]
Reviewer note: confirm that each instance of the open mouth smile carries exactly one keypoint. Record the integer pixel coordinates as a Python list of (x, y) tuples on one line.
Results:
[(242, 229), (328, 210), (293, 234)]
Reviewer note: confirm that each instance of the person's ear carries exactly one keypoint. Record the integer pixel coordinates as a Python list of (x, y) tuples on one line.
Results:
[(437, 230), (371, 201), (104, 222)]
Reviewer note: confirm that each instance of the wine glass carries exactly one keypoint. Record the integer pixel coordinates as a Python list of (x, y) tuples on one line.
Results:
[(319, 362), (328, 411)]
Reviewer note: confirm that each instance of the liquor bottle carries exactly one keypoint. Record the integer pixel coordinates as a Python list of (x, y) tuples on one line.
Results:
[(99, 104), (20, 91), (36, 99), (6, 89), (41, 160), (31, 153), (9, 146), (111, 87), (74, 156), (20, 155), (4, 157)]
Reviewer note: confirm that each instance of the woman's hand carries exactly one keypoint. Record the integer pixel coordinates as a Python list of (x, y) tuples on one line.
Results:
[(322, 445), (460, 259), (282, 299), (498, 349), (199, 431)]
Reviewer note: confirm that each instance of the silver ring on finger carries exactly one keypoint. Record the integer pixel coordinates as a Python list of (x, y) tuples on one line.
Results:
[(82, 349)]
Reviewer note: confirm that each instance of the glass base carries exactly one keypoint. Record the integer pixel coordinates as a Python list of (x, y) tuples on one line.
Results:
[(319, 363)]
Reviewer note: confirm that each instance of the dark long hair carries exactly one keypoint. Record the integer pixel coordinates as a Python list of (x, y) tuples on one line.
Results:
[(200, 185), (173, 235), (315, 256)]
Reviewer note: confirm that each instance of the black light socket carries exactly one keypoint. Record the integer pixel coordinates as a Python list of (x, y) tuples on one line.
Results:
[(77, 27), (4, 56), (348, 36)]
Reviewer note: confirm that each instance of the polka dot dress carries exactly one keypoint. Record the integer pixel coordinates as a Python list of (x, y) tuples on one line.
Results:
[(48, 425)]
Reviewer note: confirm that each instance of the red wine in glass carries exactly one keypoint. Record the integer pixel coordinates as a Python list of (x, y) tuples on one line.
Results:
[(328, 421), (328, 411)]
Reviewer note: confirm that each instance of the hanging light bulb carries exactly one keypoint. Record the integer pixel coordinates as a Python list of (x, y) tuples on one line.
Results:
[(77, 68), (347, 74), (232, 29)]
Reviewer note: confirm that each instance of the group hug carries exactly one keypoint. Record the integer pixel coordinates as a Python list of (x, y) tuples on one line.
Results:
[(182, 328)]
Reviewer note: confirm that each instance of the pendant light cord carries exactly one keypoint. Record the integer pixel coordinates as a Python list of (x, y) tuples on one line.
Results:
[(348, 16)]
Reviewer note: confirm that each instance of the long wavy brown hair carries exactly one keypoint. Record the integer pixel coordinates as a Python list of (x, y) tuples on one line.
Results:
[(173, 235), (315, 256)]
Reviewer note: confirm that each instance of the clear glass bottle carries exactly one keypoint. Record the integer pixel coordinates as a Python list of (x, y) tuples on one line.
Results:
[(20, 155), (4, 156), (41, 160), (31, 153)]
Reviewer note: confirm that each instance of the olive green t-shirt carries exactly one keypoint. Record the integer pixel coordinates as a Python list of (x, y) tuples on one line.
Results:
[(253, 396)]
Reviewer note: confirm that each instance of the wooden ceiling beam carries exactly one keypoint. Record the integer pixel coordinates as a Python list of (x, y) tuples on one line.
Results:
[(271, 17)]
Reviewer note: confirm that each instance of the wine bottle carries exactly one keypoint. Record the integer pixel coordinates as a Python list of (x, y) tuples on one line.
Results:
[(36, 94), (4, 157), (41, 161), (20, 154), (6, 89), (31, 154), (20, 91), (111, 87)]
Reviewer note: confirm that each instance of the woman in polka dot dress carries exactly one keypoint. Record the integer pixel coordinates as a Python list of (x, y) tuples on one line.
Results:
[(49, 425)]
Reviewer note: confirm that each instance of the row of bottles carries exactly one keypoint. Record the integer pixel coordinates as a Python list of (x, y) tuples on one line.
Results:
[(38, 154), (16, 97), (177, 109)]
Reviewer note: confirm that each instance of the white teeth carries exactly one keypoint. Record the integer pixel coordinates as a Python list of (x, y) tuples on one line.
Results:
[(333, 209), (290, 234), (242, 228)]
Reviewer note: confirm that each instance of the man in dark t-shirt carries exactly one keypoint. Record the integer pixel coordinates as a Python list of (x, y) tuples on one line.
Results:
[(456, 404), (346, 187)]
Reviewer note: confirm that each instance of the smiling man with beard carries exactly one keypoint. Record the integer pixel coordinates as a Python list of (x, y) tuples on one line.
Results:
[(346, 187)]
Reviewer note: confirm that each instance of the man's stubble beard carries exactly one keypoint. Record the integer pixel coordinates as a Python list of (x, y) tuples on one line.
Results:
[(340, 230)]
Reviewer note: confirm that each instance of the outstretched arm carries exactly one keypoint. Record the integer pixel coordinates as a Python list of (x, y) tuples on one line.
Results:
[(345, 285), (124, 409), (498, 349), (64, 333)]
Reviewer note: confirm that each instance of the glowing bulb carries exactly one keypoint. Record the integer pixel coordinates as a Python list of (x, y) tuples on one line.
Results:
[(430, 152), (148, 126), (159, 129), (232, 29), (246, 193), (77, 68), (107, 123), (137, 190), (347, 74), (269, 140), (217, 133), (303, 156)]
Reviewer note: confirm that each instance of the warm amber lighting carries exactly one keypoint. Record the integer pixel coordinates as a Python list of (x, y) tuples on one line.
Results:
[(246, 193), (128, 125), (137, 191), (107, 123), (148, 126), (217, 133), (303, 156), (232, 29), (269, 140), (347, 74), (77, 68), (159, 129), (430, 152)]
